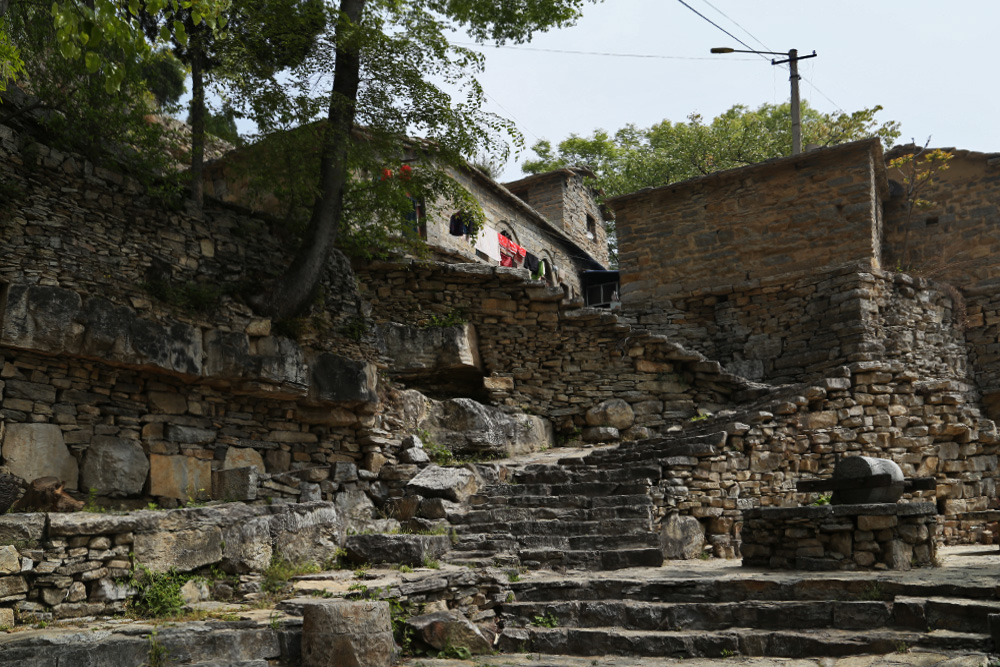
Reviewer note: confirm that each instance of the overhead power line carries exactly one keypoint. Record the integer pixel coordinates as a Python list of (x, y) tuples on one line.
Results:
[(585, 53), (750, 48), (734, 22)]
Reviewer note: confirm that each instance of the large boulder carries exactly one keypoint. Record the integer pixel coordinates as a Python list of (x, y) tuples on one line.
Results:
[(466, 426), (31, 451), (180, 477), (403, 548), (56, 320), (444, 629), (437, 357), (681, 537), (307, 532), (183, 549), (115, 466), (455, 484), (614, 412), (343, 380)]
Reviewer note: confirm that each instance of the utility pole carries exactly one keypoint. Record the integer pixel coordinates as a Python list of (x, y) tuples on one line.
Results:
[(793, 66)]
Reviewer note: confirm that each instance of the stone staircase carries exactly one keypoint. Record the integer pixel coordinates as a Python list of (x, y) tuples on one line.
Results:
[(553, 516), (593, 512), (754, 616)]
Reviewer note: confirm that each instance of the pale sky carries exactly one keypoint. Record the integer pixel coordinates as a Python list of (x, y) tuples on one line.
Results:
[(929, 63)]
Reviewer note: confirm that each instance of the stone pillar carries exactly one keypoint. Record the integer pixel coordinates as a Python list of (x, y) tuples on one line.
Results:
[(341, 633)]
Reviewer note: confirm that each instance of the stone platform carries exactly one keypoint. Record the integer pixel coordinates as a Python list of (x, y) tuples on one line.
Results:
[(895, 536)]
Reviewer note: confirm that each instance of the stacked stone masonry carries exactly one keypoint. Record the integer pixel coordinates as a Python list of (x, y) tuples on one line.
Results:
[(841, 537)]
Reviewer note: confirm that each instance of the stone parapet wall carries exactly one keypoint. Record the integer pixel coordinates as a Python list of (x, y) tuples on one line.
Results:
[(954, 236), (895, 536), (80, 564)]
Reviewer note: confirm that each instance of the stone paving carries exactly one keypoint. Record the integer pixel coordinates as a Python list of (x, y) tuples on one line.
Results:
[(913, 659)]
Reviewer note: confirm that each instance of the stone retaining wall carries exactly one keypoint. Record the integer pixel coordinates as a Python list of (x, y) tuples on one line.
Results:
[(71, 224), (547, 355), (79, 564), (127, 433), (895, 536), (793, 327), (754, 458)]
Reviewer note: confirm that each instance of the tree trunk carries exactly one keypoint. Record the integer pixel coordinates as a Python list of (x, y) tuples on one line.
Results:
[(299, 283), (197, 123)]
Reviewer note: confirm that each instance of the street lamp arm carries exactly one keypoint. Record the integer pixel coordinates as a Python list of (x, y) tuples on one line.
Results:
[(726, 49)]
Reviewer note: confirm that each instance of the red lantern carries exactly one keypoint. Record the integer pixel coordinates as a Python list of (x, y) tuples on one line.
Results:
[(405, 172), (386, 174)]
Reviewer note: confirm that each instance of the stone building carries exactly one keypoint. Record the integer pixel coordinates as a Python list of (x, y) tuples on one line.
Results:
[(551, 223), (781, 270), (554, 216)]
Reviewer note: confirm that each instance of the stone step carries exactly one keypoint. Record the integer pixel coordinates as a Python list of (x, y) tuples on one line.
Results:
[(736, 589), (733, 641), (559, 475), (485, 501), (503, 514), (903, 613), (623, 527), (592, 559), (590, 489)]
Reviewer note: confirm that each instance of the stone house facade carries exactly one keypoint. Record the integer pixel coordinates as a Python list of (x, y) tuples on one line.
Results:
[(552, 220), (554, 216)]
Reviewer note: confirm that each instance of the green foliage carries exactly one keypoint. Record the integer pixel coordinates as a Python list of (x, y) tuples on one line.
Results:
[(634, 158), (432, 563), (547, 620), (11, 64), (158, 593), (452, 318), (164, 75), (822, 500), (158, 656), (455, 653), (222, 124), (91, 503), (438, 453), (355, 329), (278, 573), (108, 129)]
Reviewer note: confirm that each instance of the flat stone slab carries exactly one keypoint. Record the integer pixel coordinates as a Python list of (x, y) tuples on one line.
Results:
[(402, 548)]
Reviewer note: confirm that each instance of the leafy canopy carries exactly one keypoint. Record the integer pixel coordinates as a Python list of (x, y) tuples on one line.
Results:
[(413, 83), (634, 158)]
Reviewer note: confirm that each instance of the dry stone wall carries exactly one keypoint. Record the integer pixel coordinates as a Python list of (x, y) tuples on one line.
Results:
[(548, 355), (790, 328), (754, 457), (55, 566), (83, 228), (803, 213), (129, 360)]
